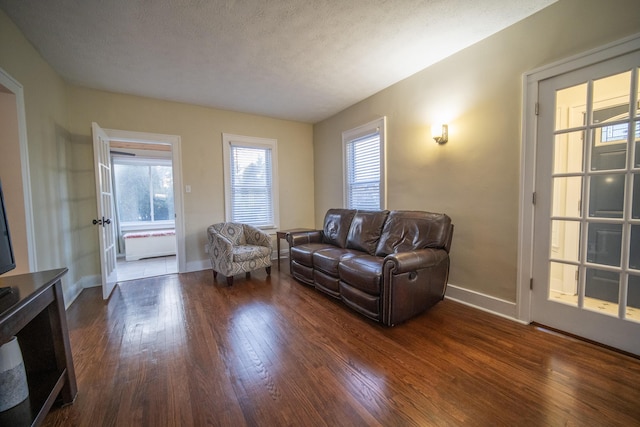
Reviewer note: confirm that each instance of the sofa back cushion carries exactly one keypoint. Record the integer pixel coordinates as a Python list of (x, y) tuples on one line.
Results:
[(336, 226), (365, 230), (412, 230)]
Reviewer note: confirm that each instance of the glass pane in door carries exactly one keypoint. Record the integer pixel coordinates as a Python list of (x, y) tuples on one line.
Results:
[(606, 196), (638, 94), (634, 248), (563, 283), (567, 192), (604, 244), (611, 97), (568, 113), (601, 291), (609, 147), (633, 299), (636, 138), (568, 152), (565, 239)]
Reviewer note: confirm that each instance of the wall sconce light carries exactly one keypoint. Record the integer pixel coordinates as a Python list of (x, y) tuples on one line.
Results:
[(443, 137)]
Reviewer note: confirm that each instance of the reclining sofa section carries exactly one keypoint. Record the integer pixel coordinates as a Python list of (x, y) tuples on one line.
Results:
[(387, 265)]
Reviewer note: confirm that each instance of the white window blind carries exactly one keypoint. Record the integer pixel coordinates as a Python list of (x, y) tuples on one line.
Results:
[(251, 195), (363, 173), (364, 166), (251, 186)]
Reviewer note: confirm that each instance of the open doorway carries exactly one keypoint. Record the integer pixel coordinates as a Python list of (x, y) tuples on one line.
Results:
[(162, 217), (144, 207)]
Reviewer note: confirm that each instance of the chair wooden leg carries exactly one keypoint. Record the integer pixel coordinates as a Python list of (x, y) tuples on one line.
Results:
[(268, 270), (248, 275), (215, 274), (230, 280)]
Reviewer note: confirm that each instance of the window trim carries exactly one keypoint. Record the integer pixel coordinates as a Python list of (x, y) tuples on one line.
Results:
[(377, 125), (229, 140)]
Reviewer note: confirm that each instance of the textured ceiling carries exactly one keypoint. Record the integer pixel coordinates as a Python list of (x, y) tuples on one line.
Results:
[(291, 59)]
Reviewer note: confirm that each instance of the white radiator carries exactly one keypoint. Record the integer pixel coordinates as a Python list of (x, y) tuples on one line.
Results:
[(149, 244)]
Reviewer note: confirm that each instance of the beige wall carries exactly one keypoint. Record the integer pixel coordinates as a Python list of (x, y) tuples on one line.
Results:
[(474, 177), (49, 153), (11, 177), (201, 131)]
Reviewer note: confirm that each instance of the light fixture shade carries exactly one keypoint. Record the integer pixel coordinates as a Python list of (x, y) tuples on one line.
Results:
[(441, 137)]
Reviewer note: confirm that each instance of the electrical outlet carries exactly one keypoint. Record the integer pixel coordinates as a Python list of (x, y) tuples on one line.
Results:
[(206, 249)]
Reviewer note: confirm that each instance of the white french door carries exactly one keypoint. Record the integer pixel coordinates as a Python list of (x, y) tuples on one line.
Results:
[(586, 257), (105, 220)]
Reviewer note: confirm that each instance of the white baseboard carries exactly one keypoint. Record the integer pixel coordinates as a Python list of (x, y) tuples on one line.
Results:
[(482, 302), (91, 281), (203, 264), (72, 292)]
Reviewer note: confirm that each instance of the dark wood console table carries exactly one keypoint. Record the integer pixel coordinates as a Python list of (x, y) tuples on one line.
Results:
[(33, 310)]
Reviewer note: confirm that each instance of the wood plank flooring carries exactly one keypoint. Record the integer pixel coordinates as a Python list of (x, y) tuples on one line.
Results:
[(181, 350)]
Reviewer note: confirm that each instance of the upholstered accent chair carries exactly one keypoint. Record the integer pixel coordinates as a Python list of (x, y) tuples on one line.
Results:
[(236, 248)]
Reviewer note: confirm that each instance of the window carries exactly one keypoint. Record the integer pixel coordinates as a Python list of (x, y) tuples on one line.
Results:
[(364, 166), (250, 175), (144, 192)]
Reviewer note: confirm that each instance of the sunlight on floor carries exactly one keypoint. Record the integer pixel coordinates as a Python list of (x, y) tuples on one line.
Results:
[(149, 267), (595, 304)]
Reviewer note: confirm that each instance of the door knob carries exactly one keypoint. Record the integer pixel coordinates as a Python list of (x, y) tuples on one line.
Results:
[(106, 221)]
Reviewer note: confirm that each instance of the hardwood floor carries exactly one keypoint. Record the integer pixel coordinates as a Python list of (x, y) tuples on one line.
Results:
[(269, 351)]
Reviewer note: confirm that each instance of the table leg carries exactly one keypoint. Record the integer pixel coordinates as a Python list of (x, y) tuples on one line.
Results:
[(278, 249)]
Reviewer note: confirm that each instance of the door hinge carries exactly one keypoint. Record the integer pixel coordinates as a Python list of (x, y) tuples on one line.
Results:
[(531, 284), (533, 199), (537, 108)]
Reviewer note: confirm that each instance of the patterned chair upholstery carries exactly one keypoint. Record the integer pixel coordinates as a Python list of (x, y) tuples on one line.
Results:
[(236, 248)]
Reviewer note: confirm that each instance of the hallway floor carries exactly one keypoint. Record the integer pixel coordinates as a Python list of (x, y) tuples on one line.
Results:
[(149, 267)]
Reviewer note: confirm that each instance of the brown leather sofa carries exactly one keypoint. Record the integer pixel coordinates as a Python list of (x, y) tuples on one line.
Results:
[(387, 265)]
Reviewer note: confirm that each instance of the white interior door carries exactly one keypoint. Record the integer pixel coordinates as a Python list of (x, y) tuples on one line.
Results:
[(105, 222), (586, 260)]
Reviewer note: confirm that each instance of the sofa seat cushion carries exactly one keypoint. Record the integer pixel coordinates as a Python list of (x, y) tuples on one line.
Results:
[(327, 260), (248, 252), (303, 254), (363, 273)]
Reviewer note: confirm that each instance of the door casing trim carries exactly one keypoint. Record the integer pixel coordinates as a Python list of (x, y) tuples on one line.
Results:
[(16, 88), (176, 156)]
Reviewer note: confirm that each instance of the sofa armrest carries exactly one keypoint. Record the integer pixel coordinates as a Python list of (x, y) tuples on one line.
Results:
[(404, 262), (256, 237), (303, 237), (413, 282)]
